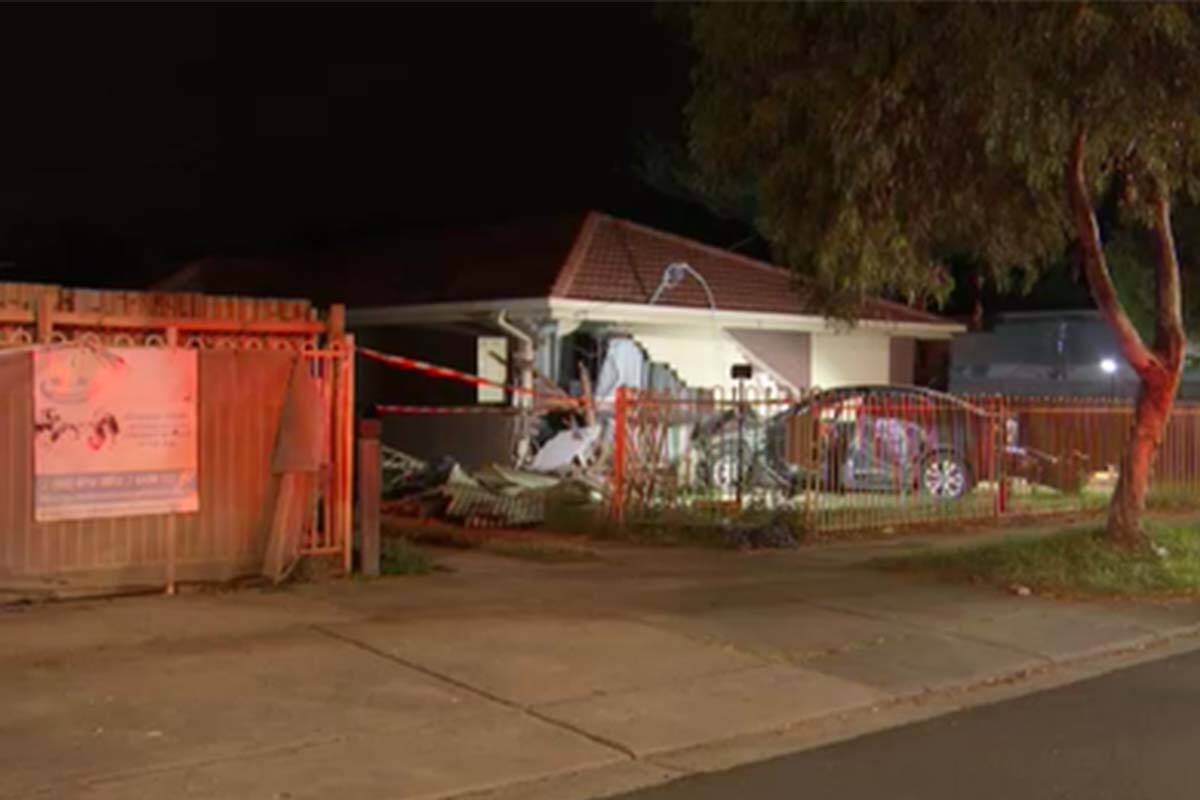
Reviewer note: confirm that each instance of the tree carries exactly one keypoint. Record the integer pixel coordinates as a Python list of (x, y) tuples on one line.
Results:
[(880, 137), (1130, 249)]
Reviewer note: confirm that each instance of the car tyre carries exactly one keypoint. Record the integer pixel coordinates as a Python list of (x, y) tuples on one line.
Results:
[(946, 476), (719, 469)]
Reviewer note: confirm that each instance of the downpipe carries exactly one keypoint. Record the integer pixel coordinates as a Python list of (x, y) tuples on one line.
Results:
[(523, 448)]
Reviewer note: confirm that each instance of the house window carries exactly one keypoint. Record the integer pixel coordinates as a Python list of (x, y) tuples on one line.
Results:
[(492, 363)]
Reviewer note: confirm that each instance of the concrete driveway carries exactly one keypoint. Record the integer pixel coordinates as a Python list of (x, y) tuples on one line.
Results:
[(514, 678)]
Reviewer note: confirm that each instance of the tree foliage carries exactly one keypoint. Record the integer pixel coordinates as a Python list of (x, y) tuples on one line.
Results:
[(1130, 249), (878, 138)]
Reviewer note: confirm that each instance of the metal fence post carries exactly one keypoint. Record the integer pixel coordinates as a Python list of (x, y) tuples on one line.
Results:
[(618, 467), (346, 367), (1000, 457), (369, 494), (812, 480), (44, 315), (172, 531)]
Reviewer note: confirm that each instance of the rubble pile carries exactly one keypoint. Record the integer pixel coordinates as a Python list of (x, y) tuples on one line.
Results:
[(493, 497)]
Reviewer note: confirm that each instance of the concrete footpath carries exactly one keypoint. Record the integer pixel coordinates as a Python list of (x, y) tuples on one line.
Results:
[(510, 678)]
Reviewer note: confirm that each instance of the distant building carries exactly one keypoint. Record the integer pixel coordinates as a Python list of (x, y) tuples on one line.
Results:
[(1048, 353)]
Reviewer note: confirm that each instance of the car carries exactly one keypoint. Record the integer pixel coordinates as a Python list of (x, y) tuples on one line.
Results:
[(868, 438)]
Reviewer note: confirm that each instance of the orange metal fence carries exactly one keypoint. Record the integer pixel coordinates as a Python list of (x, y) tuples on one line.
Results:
[(331, 530), (247, 349), (855, 459)]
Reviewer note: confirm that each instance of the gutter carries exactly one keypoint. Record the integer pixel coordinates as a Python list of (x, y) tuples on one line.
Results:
[(575, 310), (572, 310), (524, 358)]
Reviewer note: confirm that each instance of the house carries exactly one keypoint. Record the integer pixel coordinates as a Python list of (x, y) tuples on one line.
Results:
[(555, 293), (572, 284), (1070, 353), (566, 289)]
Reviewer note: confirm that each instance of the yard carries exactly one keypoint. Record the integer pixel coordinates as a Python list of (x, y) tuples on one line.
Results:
[(1075, 564)]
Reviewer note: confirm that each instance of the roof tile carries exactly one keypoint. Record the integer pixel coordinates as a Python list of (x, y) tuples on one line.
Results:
[(583, 257), (624, 262)]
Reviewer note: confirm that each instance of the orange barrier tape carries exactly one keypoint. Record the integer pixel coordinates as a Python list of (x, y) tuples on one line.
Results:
[(438, 410), (446, 373)]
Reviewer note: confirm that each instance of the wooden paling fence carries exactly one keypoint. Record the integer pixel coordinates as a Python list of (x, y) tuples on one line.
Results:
[(247, 351)]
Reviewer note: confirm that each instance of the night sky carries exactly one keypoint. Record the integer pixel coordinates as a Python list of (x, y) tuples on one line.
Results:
[(140, 137)]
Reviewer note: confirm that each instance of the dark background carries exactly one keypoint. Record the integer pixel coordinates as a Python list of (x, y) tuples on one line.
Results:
[(139, 137), (136, 139)]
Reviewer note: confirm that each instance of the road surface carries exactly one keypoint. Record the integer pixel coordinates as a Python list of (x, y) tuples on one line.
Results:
[(1128, 735)]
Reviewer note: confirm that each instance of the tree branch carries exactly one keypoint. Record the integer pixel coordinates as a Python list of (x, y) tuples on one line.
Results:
[(1096, 267), (1169, 337)]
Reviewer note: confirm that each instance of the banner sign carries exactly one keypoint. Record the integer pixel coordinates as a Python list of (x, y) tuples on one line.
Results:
[(114, 432)]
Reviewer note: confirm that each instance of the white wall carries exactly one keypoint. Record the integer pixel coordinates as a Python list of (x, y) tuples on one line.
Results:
[(845, 359), (701, 356), (491, 362)]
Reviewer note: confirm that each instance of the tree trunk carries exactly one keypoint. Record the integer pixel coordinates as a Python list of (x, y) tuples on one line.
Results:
[(976, 323), (1153, 412), (1159, 367)]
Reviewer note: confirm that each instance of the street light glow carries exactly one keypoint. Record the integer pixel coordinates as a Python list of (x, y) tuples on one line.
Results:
[(1109, 366)]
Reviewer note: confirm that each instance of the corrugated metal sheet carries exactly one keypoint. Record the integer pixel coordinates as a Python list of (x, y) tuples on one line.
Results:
[(478, 507), (241, 397)]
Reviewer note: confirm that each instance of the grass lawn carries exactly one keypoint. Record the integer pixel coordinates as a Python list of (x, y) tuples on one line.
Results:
[(1072, 564), (399, 557)]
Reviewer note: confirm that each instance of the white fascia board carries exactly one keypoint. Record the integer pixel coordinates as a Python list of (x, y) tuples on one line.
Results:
[(590, 310), (577, 311), (445, 312)]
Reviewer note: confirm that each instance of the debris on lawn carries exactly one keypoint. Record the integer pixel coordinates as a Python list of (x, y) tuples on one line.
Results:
[(777, 531), (399, 468), (566, 450), (477, 507), (511, 481), (493, 497)]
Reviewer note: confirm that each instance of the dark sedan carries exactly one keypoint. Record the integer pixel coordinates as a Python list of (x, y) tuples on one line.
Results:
[(867, 438)]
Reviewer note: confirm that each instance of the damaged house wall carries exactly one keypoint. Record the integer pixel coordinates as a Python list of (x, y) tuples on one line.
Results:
[(699, 357)]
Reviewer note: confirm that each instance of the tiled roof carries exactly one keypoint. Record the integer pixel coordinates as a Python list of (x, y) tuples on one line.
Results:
[(582, 257), (622, 262)]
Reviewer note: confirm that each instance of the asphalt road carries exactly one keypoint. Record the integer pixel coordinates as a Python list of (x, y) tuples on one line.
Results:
[(1128, 735)]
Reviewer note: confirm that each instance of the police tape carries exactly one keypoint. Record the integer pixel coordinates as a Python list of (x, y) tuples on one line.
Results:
[(439, 410), (447, 373)]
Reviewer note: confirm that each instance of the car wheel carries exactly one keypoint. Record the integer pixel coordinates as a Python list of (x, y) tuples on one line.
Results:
[(719, 469), (945, 476), (723, 472)]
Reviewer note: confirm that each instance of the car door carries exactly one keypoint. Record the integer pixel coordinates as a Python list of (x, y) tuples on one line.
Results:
[(882, 452)]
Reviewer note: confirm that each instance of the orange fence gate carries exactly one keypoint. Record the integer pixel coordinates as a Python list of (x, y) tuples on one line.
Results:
[(247, 353)]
